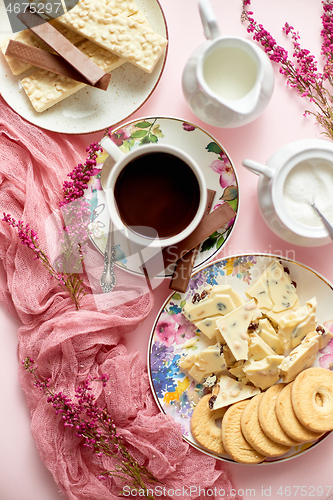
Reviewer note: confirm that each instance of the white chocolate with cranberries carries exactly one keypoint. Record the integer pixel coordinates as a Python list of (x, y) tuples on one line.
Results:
[(204, 363), (295, 325), (274, 289), (228, 391), (216, 302), (269, 335), (265, 372), (258, 349), (303, 356), (208, 326), (233, 327)]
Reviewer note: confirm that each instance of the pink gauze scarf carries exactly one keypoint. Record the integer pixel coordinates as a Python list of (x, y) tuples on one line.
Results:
[(70, 345)]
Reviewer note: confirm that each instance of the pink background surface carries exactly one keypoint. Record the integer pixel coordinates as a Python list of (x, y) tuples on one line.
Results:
[(22, 475)]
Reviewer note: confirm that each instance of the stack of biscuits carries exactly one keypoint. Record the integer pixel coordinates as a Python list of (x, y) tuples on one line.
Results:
[(271, 422)]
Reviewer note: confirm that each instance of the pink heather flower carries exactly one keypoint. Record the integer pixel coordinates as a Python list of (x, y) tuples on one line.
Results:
[(27, 236), (302, 73), (81, 175), (165, 330)]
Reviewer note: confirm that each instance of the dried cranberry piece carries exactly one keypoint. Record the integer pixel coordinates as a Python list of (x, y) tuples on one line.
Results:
[(196, 298), (253, 326), (211, 402)]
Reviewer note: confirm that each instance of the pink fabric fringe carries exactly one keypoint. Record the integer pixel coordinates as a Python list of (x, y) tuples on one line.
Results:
[(69, 345)]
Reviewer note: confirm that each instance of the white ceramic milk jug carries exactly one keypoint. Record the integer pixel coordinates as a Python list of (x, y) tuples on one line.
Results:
[(227, 81), (298, 174)]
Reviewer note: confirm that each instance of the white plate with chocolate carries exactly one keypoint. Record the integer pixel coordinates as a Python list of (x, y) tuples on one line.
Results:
[(247, 328), (59, 104)]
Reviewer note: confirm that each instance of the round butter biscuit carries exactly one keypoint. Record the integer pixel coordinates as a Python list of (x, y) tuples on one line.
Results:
[(232, 437), (288, 420), (268, 419), (204, 427), (254, 434), (312, 399)]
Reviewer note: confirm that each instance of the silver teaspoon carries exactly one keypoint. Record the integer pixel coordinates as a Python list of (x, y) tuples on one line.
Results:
[(108, 278), (328, 226)]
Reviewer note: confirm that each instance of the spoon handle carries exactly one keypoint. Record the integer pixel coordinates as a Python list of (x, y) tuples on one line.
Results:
[(328, 226), (108, 278)]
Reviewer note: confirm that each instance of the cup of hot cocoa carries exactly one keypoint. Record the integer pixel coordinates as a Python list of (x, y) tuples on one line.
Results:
[(156, 194)]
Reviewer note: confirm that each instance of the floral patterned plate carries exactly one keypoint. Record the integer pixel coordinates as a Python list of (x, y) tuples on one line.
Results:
[(217, 167), (173, 335)]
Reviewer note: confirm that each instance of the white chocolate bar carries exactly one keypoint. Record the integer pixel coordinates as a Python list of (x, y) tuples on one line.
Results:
[(121, 35), (28, 37), (124, 7), (209, 361), (45, 89)]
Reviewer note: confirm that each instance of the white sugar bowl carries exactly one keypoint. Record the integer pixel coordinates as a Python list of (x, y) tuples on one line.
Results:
[(297, 175)]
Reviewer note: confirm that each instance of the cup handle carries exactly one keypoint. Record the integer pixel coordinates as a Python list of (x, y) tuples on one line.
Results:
[(208, 20), (111, 148), (258, 168)]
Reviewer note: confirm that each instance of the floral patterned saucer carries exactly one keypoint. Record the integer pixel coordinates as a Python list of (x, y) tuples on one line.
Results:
[(216, 165), (173, 335)]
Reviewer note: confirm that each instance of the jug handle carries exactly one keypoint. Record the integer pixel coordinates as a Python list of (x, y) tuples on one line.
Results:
[(258, 168), (208, 20)]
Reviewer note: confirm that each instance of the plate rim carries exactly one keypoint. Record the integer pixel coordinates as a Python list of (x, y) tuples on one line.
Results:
[(195, 445)]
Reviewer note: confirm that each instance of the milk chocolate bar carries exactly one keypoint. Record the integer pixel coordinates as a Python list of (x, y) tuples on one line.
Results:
[(44, 88), (213, 221), (184, 266), (46, 32), (50, 62), (29, 38)]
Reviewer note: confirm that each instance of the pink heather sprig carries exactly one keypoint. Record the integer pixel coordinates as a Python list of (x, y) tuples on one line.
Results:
[(96, 428), (74, 233), (76, 214), (29, 239), (302, 72), (81, 175)]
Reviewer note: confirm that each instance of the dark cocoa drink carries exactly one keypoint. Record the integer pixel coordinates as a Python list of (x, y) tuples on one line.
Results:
[(157, 193)]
